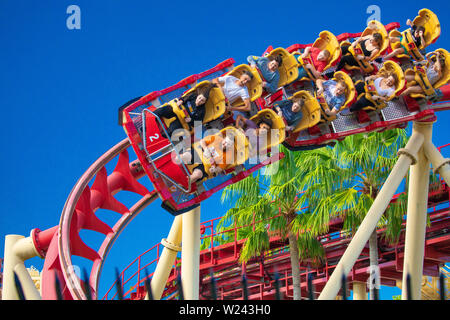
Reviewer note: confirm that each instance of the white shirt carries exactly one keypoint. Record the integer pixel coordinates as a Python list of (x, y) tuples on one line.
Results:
[(231, 90), (382, 92)]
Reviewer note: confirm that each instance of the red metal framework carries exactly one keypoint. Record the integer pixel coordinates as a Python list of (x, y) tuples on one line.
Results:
[(222, 259), (58, 244)]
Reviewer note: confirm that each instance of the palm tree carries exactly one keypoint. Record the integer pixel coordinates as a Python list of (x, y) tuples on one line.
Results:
[(344, 181), (275, 196)]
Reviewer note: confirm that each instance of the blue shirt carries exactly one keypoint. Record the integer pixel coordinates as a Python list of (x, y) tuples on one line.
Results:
[(292, 118), (432, 75), (271, 77), (332, 100)]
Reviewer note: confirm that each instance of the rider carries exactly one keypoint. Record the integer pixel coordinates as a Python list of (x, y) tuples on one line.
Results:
[(196, 100), (268, 66), (218, 150), (320, 59), (434, 72), (290, 110), (234, 88), (384, 82), (334, 94), (370, 45), (254, 131), (417, 33)]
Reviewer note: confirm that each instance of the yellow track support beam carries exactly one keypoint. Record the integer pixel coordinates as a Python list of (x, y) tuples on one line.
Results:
[(416, 218), (190, 254), (18, 249), (167, 259)]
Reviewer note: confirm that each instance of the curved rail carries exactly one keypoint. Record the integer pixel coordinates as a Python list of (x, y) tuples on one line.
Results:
[(79, 214)]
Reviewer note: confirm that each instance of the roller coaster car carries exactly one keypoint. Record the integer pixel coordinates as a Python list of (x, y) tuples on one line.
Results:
[(350, 96), (160, 156), (370, 87), (421, 79), (366, 66), (171, 177), (430, 22), (326, 41), (239, 152), (289, 68), (278, 134), (254, 86), (311, 111)]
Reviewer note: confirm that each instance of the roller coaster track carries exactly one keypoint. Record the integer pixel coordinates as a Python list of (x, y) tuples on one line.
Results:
[(59, 244)]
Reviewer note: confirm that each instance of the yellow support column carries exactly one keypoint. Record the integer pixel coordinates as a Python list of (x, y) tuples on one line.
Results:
[(416, 218), (167, 258), (18, 249), (359, 290), (190, 254)]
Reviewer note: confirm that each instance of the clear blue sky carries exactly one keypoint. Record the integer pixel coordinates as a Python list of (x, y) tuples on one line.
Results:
[(60, 88)]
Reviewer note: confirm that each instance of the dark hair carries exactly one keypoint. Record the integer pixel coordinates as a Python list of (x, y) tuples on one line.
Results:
[(277, 58), (205, 90), (299, 100), (378, 38), (248, 73), (265, 120)]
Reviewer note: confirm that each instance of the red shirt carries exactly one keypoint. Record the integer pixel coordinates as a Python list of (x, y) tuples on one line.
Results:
[(320, 65)]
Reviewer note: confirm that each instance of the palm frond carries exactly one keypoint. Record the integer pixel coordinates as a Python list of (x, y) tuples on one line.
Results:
[(257, 242), (244, 191), (394, 218), (354, 217), (310, 248)]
